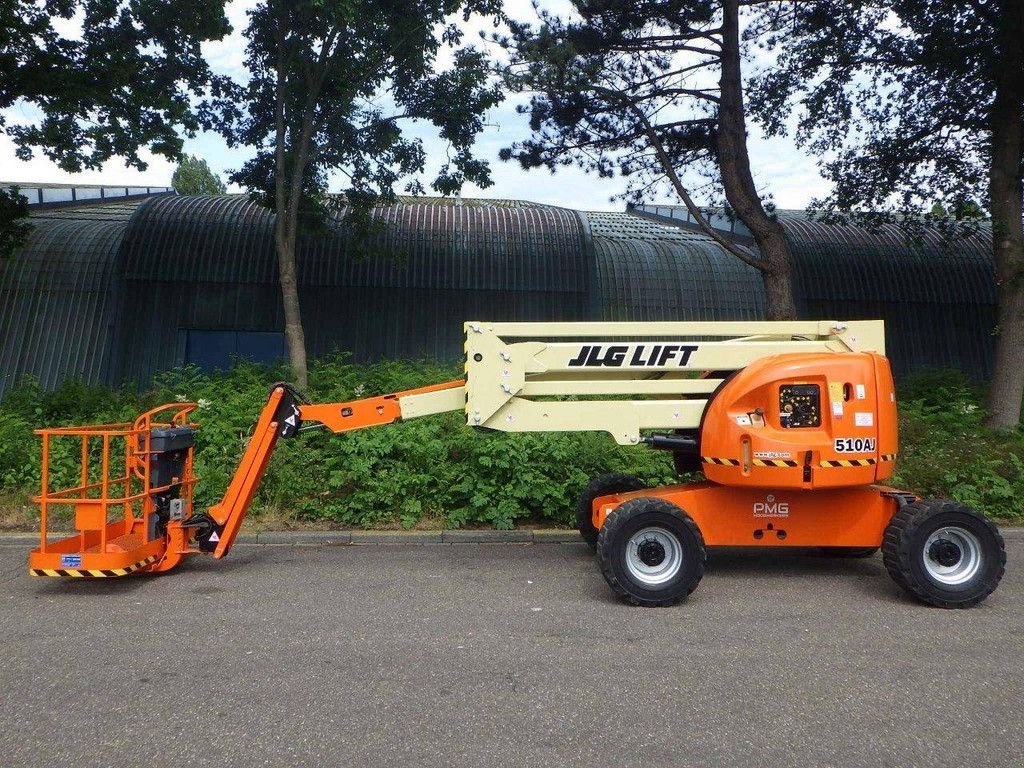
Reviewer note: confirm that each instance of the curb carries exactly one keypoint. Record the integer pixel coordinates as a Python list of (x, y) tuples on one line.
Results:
[(359, 537), (486, 537)]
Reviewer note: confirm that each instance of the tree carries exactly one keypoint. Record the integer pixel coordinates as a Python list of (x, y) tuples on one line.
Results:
[(915, 101), (649, 89), (331, 83), (121, 86), (14, 226), (194, 177)]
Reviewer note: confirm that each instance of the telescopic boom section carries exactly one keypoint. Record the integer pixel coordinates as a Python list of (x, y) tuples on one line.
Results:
[(283, 415)]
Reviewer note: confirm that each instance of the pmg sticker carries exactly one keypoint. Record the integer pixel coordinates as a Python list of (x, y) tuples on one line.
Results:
[(771, 508), (70, 561)]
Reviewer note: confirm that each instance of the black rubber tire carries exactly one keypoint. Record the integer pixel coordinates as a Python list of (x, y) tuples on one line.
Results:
[(626, 520), (904, 556), (601, 486), (848, 552)]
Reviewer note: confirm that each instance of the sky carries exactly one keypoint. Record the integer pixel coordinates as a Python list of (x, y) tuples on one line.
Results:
[(782, 170)]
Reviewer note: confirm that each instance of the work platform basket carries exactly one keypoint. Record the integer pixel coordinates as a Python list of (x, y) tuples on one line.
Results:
[(123, 483)]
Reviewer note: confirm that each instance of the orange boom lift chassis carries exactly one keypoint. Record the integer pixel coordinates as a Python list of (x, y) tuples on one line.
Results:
[(793, 424)]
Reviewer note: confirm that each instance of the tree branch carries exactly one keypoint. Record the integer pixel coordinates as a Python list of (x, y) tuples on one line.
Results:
[(743, 254)]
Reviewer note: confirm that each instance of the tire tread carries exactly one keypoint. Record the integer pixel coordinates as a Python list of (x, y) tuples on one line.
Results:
[(616, 520), (898, 551), (602, 485)]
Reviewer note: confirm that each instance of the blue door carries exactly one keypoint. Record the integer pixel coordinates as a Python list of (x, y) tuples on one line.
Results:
[(215, 350)]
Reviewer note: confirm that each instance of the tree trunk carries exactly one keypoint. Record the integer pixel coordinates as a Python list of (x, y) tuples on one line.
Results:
[(737, 179), (293, 333), (1005, 190), (285, 229)]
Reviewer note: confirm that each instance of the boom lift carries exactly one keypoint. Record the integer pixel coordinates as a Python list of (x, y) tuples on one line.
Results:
[(792, 423)]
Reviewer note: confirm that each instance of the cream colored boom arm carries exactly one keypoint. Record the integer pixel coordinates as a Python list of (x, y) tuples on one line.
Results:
[(601, 360)]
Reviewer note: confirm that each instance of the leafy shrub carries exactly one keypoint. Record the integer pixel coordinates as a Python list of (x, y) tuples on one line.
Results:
[(436, 469), (945, 451)]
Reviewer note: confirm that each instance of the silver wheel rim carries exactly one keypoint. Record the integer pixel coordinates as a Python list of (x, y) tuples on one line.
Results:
[(952, 555), (653, 556)]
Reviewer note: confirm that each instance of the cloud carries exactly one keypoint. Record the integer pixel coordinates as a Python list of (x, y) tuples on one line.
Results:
[(42, 170)]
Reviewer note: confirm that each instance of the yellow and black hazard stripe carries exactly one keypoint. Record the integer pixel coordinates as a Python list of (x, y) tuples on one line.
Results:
[(756, 462), (887, 457), (93, 573), (848, 463), (775, 463), (723, 462)]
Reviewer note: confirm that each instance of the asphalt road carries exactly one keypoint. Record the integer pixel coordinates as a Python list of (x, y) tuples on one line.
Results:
[(502, 655)]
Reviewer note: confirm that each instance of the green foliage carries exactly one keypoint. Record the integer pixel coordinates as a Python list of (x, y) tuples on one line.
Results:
[(194, 177), (343, 77), (436, 469), (945, 451), (122, 85), (606, 82), (14, 225), (895, 97)]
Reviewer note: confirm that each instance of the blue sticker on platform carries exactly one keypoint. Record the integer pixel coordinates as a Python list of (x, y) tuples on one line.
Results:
[(70, 561)]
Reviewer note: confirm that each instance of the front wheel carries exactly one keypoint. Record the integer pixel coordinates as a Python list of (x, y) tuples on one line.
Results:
[(944, 553), (651, 552)]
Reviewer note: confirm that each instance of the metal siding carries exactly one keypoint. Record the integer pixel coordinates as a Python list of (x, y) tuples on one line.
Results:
[(58, 297), (103, 293), (208, 263), (650, 271), (937, 296)]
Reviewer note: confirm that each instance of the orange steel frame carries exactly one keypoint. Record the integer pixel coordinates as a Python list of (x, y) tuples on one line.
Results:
[(118, 547), (742, 516), (727, 515), (337, 417), (111, 547)]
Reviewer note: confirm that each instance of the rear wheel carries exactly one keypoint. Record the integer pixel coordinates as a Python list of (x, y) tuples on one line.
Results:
[(944, 553), (602, 485), (651, 552)]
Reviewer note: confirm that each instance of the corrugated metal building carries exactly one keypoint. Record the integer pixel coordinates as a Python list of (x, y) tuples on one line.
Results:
[(60, 302), (937, 296), (649, 271), (115, 292), (201, 278)]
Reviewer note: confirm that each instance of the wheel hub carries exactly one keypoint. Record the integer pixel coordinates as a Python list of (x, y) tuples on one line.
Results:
[(653, 556), (952, 556), (651, 552), (945, 553)]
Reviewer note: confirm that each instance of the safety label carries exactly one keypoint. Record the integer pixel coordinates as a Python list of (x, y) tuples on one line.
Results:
[(70, 561)]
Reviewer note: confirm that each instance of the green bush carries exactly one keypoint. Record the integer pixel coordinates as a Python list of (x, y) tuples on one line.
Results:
[(945, 451), (426, 469), (437, 471)]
